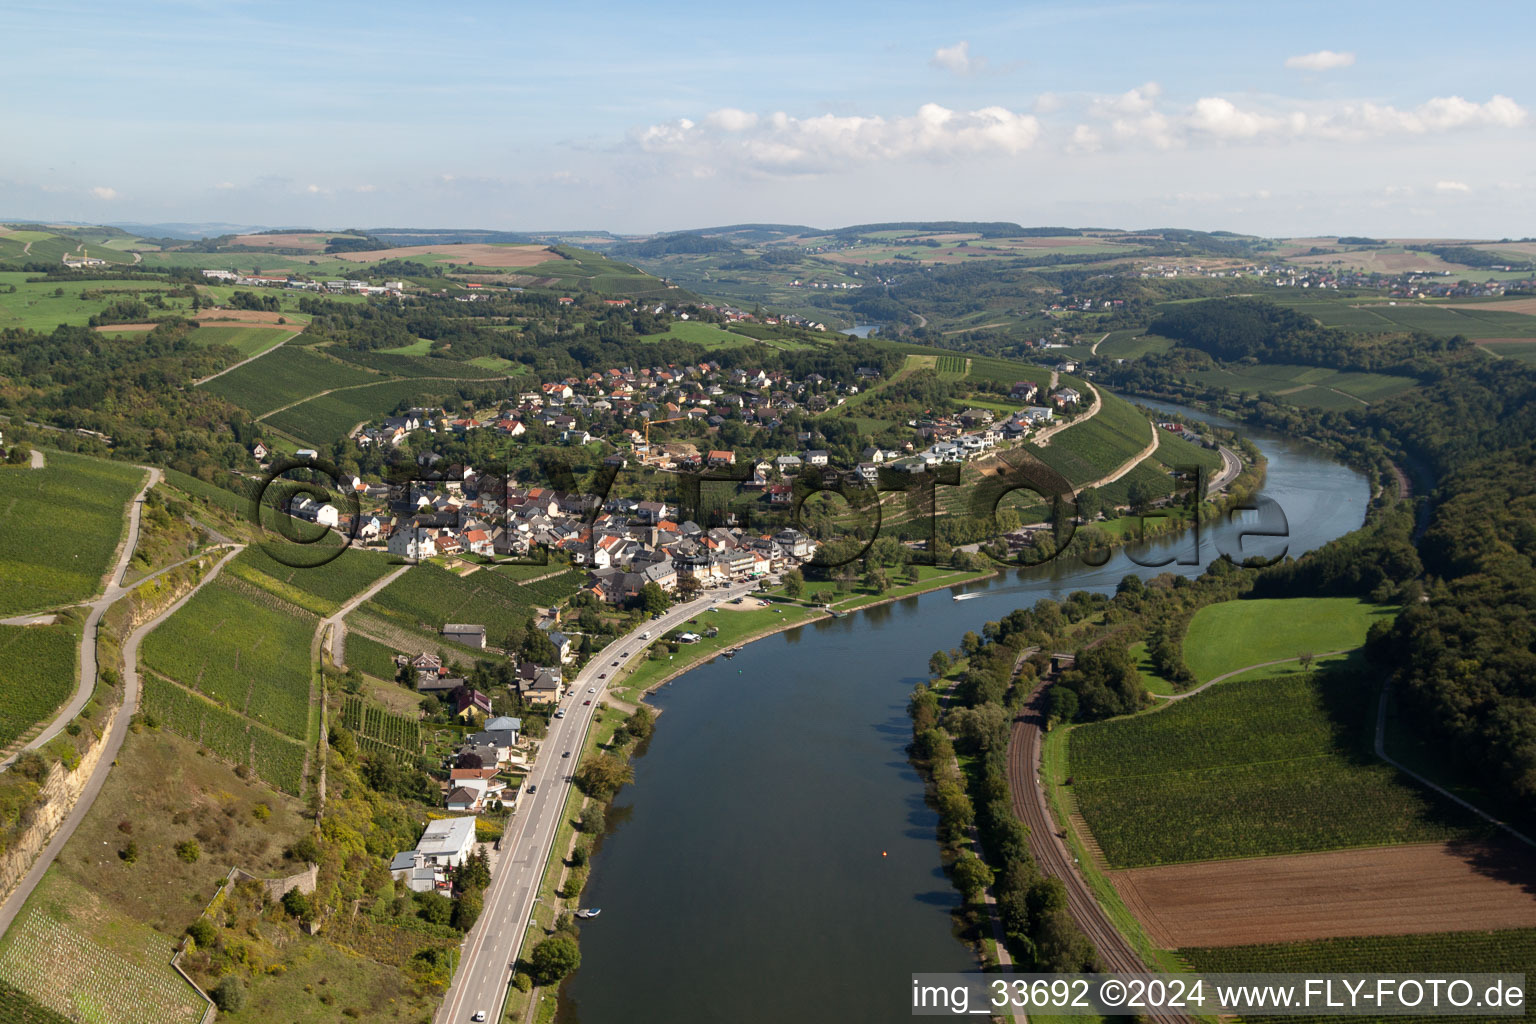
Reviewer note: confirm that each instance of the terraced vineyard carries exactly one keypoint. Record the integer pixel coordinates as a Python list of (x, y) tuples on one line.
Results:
[(1006, 371), (278, 761), (243, 647), (1095, 448), (952, 367), (287, 375), (380, 733), (37, 674), (368, 655), (88, 983), (320, 589), (59, 527), (1248, 769), (428, 596)]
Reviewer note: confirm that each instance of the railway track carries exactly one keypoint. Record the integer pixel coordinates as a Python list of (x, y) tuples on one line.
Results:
[(1052, 855)]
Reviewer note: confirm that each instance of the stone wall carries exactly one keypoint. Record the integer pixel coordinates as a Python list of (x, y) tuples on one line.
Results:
[(55, 799), (304, 881)]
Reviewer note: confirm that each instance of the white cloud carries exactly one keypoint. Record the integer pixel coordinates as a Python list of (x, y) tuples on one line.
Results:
[(1452, 186), (779, 143), (1134, 116), (1322, 60), (957, 59), (102, 192), (225, 185)]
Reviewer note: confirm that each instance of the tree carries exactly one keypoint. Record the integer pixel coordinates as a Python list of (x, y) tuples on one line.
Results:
[(21, 453), (877, 580), (593, 820), (689, 586), (641, 724), (938, 664), (1140, 495), (1089, 503), (466, 910), (971, 876), (299, 905), (601, 776), (474, 873), (229, 994), (1306, 658), (1061, 704), (794, 583), (434, 908), (554, 958), (653, 600)]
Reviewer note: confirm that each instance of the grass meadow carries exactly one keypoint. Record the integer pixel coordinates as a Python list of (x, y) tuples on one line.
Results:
[(1234, 634)]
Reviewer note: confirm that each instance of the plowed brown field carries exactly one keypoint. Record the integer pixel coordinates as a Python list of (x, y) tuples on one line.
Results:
[(1398, 890)]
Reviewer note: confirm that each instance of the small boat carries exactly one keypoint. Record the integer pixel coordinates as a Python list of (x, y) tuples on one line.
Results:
[(589, 913)]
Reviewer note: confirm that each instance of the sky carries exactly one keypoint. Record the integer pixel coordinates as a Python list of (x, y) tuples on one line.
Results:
[(1400, 119)]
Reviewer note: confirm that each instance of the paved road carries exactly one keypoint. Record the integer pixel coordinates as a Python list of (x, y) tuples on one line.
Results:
[(115, 735), (38, 462), (1231, 465), (1052, 855), (483, 975), (98, 608)]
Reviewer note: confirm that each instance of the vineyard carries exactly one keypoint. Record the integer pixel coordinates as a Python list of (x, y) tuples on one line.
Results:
[(37, 674), (59, 527), (327, 417), (1496, 952), (429, 596), (279, 761), (368, 655), (1095, 448), (320, 589), (245, 648), (952, 367), (380, 733), (1247, 769), (1006, 371), (89, 984), (287, 375)]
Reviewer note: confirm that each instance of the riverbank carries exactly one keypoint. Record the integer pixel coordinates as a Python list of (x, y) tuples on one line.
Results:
[(736, 628)]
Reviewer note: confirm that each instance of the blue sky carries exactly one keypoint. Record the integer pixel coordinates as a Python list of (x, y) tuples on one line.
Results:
[(1399, 119)]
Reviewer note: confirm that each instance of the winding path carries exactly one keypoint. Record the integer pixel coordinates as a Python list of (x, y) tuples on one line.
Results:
[(258, 355), (1169, 697), (98, 608), (1128, 465), (1095, 349), (337, 645), (114, 742)]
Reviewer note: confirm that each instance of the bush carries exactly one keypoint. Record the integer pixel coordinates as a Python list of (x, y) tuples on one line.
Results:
[(189, 851), (203, 933), (298, 904), (229, 995), (522, 982), (129, 853)]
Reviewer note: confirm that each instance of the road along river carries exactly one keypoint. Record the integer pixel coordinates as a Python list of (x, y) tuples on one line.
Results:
[(774, 860)]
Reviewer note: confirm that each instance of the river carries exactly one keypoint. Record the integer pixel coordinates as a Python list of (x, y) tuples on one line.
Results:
[(774, 860)]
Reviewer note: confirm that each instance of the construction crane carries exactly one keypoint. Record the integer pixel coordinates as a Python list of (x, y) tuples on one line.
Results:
[(648, 425)]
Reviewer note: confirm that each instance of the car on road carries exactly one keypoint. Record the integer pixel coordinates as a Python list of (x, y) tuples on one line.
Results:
[(603, 676), (593, 689), (623, 654), (566, 754), (533, 789), (560, 713), (614, 665), (584, 702), (478, 1015)]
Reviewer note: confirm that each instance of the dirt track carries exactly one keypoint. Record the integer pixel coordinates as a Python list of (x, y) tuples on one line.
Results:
[(1397, 890)]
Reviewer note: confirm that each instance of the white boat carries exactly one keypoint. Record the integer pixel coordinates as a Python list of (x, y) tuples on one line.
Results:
[(590, 912)]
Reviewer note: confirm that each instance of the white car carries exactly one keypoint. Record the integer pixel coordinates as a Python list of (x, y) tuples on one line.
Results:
[(591, 689), (478, 1015)]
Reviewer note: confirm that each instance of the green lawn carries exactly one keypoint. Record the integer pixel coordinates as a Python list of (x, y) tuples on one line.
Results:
[(37, 306), (735, 626), (59, 527), (1235, 634), (1249, 769)]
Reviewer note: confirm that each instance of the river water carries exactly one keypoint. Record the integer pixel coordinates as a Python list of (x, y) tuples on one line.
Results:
[(774, 860)]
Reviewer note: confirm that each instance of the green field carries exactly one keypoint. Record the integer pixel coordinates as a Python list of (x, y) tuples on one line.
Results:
[(1307, 385), (59, 527), (370, 656), (37, 674), (36, 306), (1007, 371), (243, 647), (288, 375), (1235, 634), (1249, 769), (1132, 343), (429, 596), (1525, 351), (1498, 952), (248, 341)]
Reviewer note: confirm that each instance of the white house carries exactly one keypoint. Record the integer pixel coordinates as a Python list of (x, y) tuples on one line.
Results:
[(412, 542), (447, 841)]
